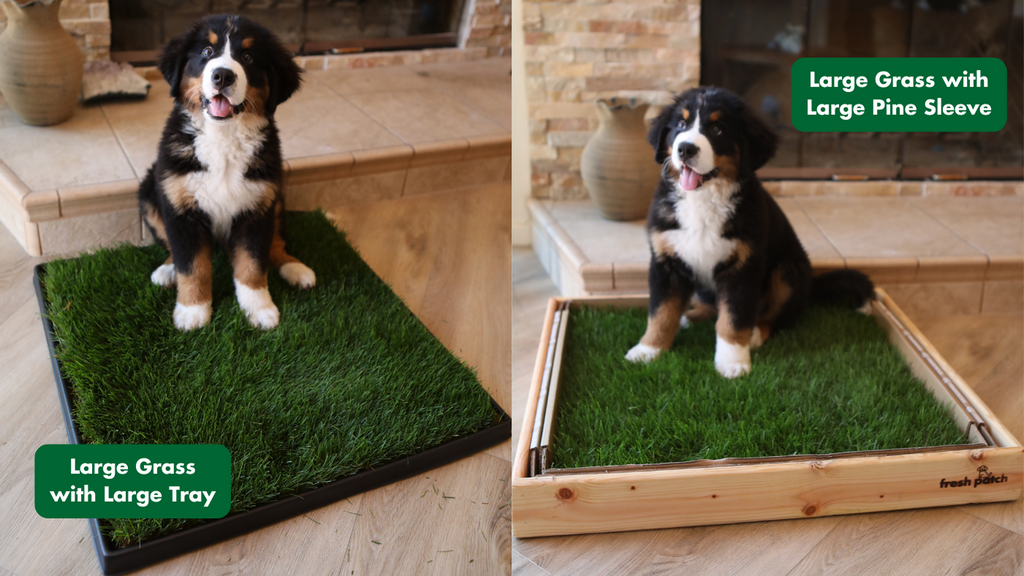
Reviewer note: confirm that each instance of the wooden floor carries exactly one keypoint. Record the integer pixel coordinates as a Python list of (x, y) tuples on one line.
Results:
[(979, 539), (447, 256)]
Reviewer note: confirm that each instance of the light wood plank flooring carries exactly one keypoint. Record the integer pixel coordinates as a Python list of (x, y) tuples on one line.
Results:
[(447, 256), (978, 539)]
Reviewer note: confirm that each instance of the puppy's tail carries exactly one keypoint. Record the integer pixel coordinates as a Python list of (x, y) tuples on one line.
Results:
[(843, 287), (147, 189)]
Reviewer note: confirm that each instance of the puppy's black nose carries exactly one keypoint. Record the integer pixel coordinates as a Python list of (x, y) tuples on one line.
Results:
[(222, 78), (687, 150)]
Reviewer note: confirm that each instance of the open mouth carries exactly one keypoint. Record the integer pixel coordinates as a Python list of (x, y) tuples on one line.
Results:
[(220, 107), (689, 179)]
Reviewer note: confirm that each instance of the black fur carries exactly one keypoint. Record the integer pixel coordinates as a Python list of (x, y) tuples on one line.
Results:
[(843, 288)]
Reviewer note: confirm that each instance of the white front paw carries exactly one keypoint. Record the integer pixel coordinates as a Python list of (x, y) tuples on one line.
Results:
[(642, 353), (684, 322), (731, 360), (164, 275), (259, 308), (191, 316), (298, 274)]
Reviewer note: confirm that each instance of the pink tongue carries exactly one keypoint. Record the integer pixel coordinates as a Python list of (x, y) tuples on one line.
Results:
[(219, 106), (688, 179)]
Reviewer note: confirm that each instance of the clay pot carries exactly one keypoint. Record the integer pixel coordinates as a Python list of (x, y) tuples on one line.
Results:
[(617, 165), (40, 63)]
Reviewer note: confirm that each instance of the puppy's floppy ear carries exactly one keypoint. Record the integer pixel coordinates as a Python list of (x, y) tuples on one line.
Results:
[(173, 58), (759, 143), (283, 77), (658, 134)]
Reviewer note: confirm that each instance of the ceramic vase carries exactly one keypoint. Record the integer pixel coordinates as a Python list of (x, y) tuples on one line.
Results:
[(617, 165), (40, 63)]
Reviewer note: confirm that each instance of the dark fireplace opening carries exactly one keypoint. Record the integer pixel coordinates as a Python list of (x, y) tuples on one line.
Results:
[(748, 46), (140, 27)]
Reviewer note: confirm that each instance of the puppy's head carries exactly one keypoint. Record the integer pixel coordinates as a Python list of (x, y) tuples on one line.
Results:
[(710, 133), (227, 66)]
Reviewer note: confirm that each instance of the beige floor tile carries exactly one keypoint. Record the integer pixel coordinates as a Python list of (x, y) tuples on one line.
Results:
[(82, 150), (993, 224), (925, 300), (348, 81), (70, 235), (882, 227), (317, 121), (601, 240), (815, 243), (483, 84), (425, 115), (1003, 297), (353, 191), (139, 124), (453, 175)]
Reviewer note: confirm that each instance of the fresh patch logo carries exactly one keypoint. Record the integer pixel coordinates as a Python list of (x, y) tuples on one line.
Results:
[(984, 477)]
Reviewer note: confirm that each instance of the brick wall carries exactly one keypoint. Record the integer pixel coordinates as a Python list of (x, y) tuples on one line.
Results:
[(89, 24), (487, 24), (578, 51)]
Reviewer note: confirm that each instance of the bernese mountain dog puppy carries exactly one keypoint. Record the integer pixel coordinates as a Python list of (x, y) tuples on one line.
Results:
[(719, 242), (218, 177)]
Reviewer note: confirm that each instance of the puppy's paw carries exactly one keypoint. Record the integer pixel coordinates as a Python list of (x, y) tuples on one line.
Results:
[(756, 338), (642, 353), (189, 317), (265, 318), (866, 308), (164, 276), (257, 305), (731, 369), (731, 360), (684, 322), (298, 274)]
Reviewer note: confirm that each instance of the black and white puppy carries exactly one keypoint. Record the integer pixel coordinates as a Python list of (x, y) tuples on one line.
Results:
[(719, 242), (218, 176)]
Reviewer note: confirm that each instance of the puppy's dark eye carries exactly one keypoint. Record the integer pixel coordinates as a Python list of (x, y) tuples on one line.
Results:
[(716, 130), (682, 123), (208, 51), (247, 57)]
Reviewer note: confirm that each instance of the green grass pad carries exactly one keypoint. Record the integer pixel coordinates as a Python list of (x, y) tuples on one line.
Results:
[(349, 380), (831, 384)]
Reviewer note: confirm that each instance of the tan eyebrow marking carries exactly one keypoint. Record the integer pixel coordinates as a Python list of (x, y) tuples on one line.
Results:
[(686, 114), (213, 37), (247, 43), (716, 115)]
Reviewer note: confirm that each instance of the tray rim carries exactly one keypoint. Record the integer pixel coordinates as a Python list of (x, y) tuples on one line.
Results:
[(114, 561), (1003, 445)]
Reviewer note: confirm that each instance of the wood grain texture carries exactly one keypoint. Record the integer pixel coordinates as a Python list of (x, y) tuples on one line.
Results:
[(585, 503), (522, 566), (989, 360), (447, 256), (943, 544)]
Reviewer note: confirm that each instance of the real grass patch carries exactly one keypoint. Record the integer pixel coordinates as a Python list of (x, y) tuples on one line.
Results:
[(349, 380), (831, 384)]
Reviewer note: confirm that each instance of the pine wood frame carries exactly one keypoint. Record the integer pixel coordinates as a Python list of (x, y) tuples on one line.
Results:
[(620, 498)]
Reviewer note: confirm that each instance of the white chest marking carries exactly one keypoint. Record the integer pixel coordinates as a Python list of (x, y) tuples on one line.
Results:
[(701, 215), (226, 149)]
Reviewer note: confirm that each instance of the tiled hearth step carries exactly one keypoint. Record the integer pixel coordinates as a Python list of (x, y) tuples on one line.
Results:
[(946, 254), (81, 217), (349, 137)]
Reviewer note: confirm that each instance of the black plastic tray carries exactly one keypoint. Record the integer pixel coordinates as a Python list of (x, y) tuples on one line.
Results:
[(118, 561)]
